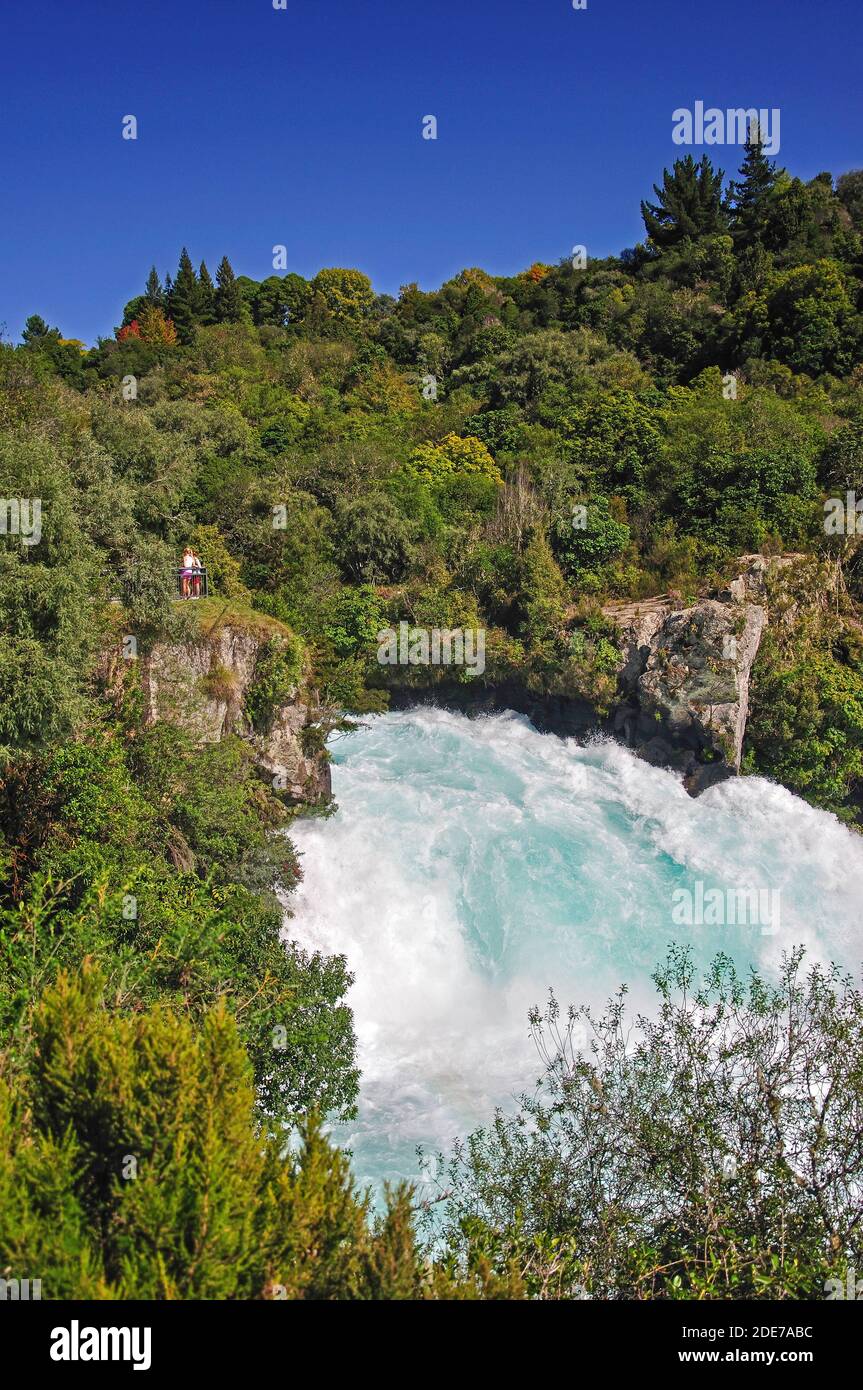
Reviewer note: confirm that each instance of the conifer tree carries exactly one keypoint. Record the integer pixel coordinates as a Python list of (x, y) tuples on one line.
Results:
[(133, 1164), (184, 296), (750, 195), (206, 299), (229, 297), (154, 294), (689, 203)]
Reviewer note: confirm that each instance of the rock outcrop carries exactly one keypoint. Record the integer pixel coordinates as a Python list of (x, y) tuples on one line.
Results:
[(682, 696), (684, 676), (201, 685), (684, 683)]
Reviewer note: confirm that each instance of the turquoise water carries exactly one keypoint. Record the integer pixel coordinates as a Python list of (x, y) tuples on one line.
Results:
[(473, 864)]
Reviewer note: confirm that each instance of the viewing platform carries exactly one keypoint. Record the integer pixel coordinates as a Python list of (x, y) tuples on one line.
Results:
[(191, 584)]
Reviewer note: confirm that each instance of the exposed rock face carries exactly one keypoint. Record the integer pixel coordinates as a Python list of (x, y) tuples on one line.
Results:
[(757, 572), (201, 686), (683, 680), (304, 777), (685, 683)]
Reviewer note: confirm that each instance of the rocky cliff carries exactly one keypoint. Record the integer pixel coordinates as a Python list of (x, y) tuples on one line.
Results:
[(201, 684), (684, 677), (685, 684), (682, 687), (682, 684)]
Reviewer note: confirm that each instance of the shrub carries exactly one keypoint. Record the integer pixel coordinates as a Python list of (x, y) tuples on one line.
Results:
[(278, 671)]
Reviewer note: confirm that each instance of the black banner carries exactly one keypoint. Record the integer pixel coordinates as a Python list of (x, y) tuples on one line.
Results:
[(86, 1339)]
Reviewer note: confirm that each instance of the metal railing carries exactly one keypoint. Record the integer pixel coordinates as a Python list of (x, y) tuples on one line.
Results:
[(191, 583)]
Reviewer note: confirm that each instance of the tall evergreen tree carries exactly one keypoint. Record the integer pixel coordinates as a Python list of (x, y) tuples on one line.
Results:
[(229, 297), (154, 294), (206, 305), (36, 330), (750, 195), (689, 203), (184, 299)]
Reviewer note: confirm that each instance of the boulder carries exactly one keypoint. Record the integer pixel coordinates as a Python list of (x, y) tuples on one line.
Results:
[(684, 682)]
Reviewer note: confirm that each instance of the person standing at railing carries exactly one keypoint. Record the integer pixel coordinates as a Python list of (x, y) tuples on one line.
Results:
[(190, 574)]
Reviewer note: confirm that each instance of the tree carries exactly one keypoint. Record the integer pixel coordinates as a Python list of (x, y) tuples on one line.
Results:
[(585, 547), (49, 626), (229, 298), (154, 293), (750, 196), (184, 299), (297, 293), (542, 595), (689, 203), (271, 300), (849, 191), (346, 294), (811, 320), (434, 463), (710, 1150), (373, 542), (206, 297), (36, 331), (133, 1165), (616, 446), (155, 328)]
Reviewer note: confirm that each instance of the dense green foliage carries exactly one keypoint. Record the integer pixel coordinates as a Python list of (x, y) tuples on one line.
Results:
[(154, 858), (712, 1151), (132, 1165), (503, 452)]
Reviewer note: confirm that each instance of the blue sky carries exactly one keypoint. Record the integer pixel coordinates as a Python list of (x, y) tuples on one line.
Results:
[(303, 127)]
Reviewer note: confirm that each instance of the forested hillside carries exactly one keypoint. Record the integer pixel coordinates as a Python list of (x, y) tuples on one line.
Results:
[(343, 461)]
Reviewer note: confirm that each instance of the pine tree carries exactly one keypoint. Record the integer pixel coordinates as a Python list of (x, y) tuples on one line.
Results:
[(750, 196), (154, 294), (206, 303), (690, 203), (133, 1164), (229, 298), (184, 297), (36, 329)]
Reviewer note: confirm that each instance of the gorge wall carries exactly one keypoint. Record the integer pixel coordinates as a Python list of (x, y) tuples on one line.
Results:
[(682, 695), (683, 678), (202, 684)]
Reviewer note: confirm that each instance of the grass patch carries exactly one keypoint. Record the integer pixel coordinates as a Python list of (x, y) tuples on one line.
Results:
[(219, 683), (213, 614)]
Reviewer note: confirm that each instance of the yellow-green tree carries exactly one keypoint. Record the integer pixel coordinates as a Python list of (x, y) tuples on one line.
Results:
[(347, 294), (435, 463), (133, 1164)]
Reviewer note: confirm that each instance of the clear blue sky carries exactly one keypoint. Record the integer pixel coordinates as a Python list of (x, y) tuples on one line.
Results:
[(303, 127)]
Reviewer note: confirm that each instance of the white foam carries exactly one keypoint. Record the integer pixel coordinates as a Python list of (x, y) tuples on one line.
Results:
[(475, 863)]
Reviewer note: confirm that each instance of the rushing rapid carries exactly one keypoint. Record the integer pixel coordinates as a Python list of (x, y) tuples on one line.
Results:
[(473, 864)]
